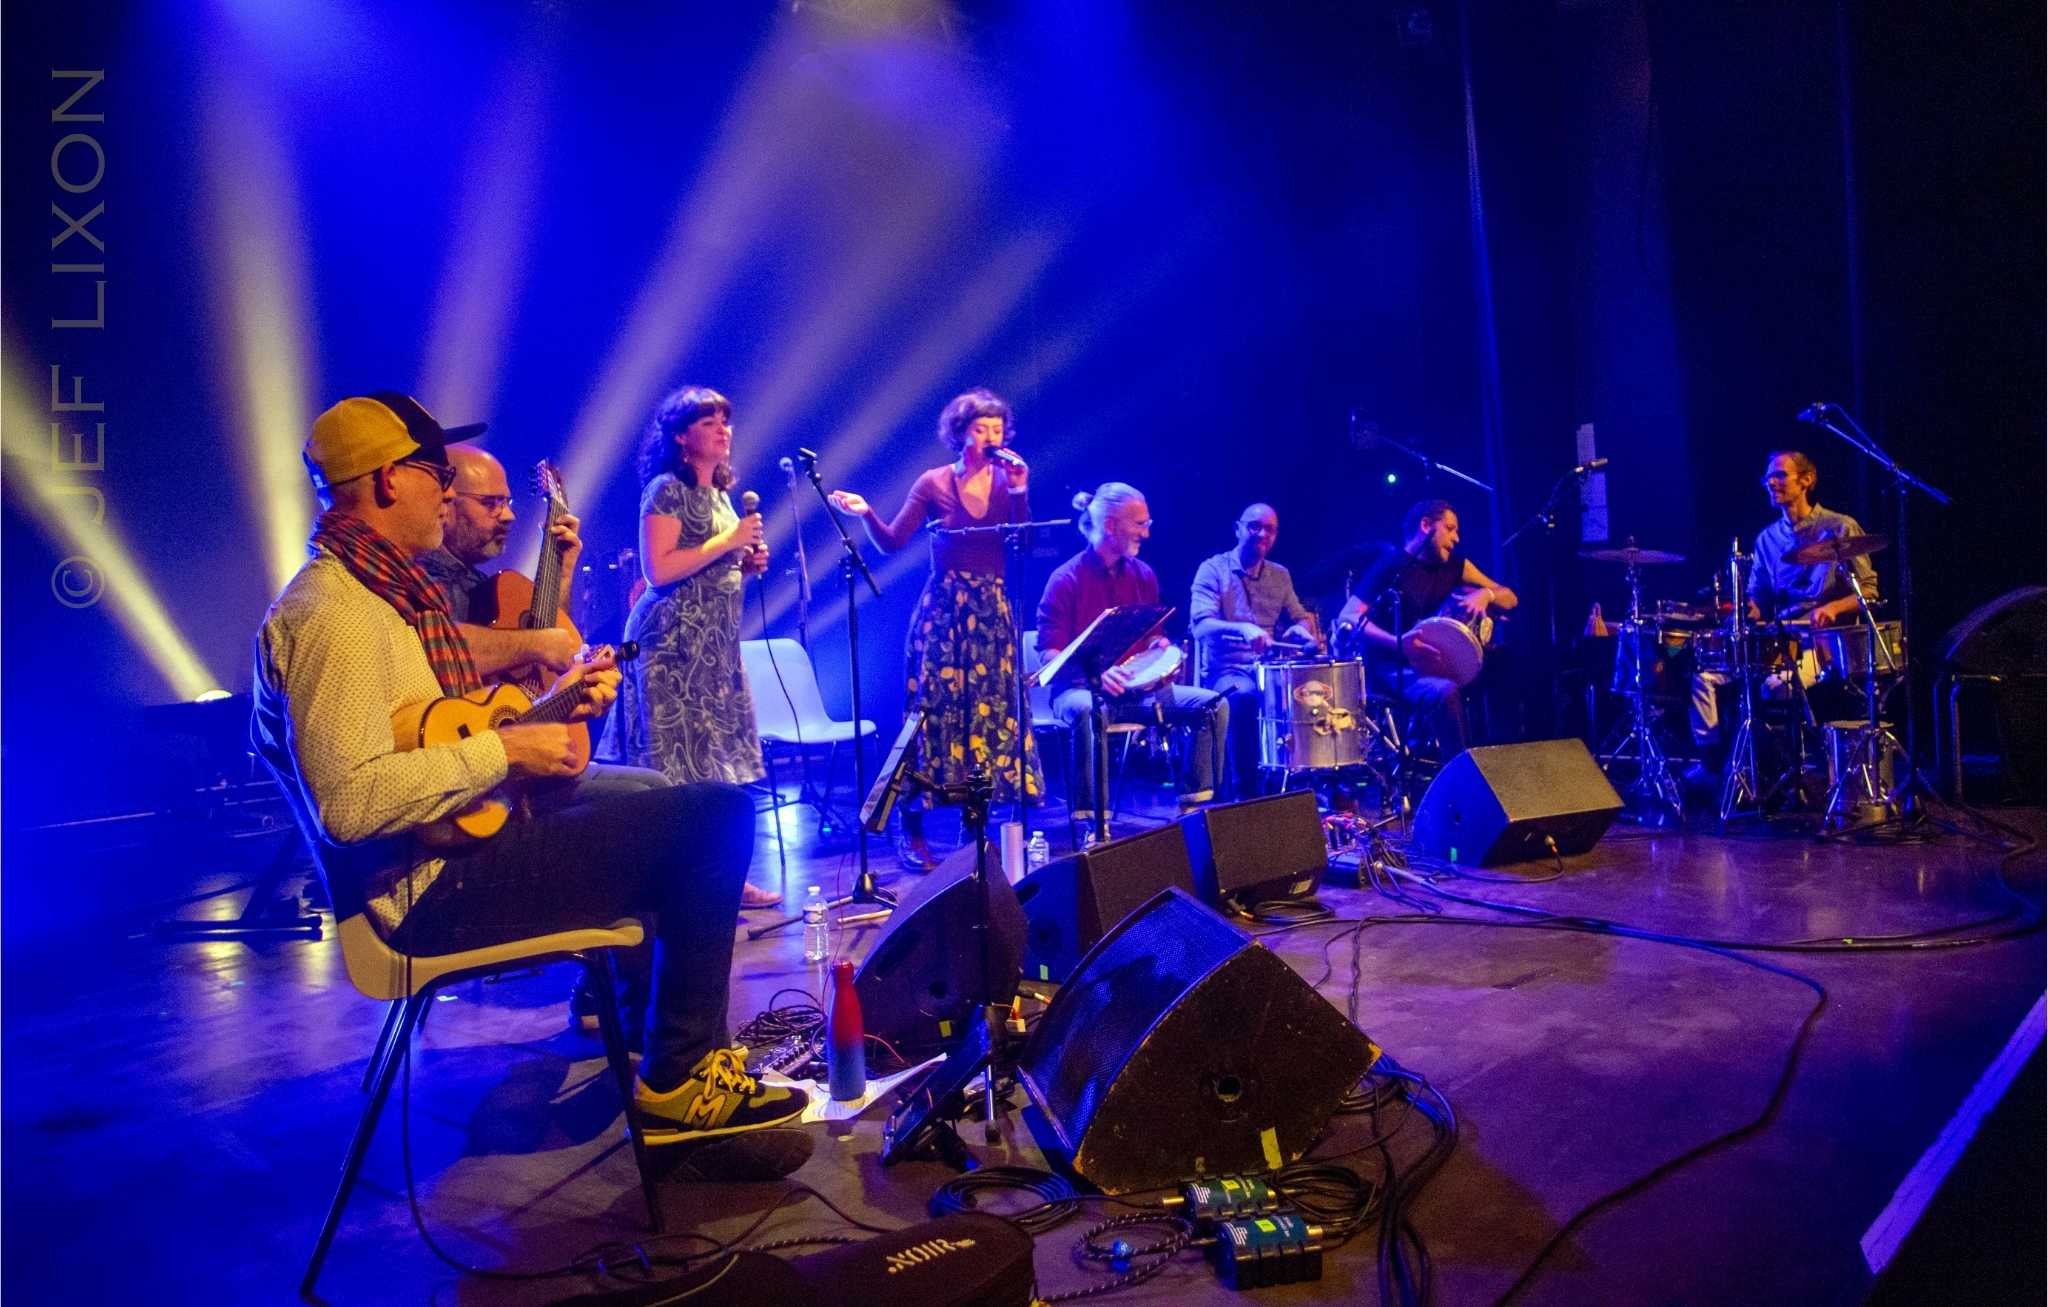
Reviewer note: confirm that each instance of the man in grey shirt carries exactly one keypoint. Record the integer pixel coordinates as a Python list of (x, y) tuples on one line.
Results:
[(1241, 600)]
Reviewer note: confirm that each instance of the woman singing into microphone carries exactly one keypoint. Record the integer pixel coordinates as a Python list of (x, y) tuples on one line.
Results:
[(684, 708), (962, 646)]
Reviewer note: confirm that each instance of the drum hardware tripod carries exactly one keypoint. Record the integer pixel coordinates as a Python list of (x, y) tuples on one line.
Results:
[(1876, 750), (1653, 780), (1743, 793), (1838, 421)]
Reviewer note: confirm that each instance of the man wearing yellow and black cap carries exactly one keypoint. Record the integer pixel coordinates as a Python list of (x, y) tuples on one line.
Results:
[(361, 631)]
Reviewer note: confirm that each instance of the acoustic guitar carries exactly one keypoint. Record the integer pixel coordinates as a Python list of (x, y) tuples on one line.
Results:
[(450, 720), (517, 604)]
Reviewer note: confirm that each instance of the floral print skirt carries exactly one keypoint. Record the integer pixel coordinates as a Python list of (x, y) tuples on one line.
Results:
[(962, 672)]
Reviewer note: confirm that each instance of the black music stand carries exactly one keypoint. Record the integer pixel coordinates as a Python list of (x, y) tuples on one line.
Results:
[(1114, 635)]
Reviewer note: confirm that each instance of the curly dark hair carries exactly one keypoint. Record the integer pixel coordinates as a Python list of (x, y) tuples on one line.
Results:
[(960, 414), (1423, 510), (659, 452)]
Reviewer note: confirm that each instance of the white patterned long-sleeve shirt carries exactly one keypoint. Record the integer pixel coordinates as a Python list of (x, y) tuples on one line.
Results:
[(333, 661)]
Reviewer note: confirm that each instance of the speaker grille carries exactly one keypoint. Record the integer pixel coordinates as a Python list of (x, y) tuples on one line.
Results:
[(1121, 990), (1182, 1048), (1126, 873)]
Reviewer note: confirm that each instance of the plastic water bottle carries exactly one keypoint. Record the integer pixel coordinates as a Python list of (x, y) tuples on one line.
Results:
[(1038, 852), (846, 1057), (817, 934)]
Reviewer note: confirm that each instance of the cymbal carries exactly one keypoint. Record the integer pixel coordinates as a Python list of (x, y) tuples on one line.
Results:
[(1632, 554), (1837, 549)]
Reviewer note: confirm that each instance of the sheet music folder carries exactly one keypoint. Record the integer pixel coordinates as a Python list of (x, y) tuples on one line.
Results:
[(1112, 637)]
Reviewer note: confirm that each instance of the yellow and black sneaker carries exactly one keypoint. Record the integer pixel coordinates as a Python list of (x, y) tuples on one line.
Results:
[(718, 1098)]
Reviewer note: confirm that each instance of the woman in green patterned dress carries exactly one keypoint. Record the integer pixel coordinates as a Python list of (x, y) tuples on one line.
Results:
[(684, 708)]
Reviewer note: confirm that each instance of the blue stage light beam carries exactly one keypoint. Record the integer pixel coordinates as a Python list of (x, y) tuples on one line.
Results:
[(487, 248), (256, 251), (715, 218), (99, 569)]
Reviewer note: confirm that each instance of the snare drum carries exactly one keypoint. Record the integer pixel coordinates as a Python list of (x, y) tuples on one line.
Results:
[(1844, 651), (1770, 650), (1312, 715)]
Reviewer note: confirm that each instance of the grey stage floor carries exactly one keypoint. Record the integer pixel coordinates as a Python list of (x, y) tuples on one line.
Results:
[(175, 1113)]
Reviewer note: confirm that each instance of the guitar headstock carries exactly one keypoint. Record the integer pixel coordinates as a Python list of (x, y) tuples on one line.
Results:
[(547, 483)]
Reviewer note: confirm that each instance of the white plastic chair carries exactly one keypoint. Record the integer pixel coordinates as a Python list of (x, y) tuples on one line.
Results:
[(789, 710), (409, 985)]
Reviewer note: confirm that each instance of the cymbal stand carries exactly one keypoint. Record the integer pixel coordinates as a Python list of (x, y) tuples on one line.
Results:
[(1741, 786), (1840, 422), (1860, 784), (1654, 793)]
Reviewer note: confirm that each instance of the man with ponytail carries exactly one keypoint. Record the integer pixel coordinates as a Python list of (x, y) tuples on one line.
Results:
[(1107, 573)]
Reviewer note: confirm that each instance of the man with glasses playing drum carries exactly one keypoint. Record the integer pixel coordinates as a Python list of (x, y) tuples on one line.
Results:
[(1802, 596), (1425, 576), (1106, 573), (1240, 602)]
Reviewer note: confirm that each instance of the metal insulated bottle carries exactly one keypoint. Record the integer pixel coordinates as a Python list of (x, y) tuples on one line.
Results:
[(846, 1061)]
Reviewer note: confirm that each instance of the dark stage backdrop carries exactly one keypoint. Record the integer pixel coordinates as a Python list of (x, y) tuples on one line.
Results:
[(1200, 248)]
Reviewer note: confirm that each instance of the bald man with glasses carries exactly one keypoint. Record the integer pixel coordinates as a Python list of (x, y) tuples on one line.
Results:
[(475, 525)]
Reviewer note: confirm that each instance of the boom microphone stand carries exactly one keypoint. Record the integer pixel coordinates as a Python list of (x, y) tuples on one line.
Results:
[(865, 891), (1820, 415)]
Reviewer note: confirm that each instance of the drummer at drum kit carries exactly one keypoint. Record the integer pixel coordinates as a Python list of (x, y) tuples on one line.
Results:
[(1244, 610), (1426, 575), (1795, 581)]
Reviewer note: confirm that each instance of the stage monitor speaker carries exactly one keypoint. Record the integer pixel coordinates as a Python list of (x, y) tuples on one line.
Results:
[(1181, 1048), (1069, 903), (923, 976), (1257, 850), (1507, 802)]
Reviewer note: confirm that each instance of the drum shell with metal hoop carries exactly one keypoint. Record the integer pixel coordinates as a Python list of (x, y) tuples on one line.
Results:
[(1460, 649), (1665, 651), (1844, 651), (1769, 650), (1312, 715)]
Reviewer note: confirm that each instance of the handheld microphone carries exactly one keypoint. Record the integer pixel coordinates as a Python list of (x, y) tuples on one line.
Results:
[(750, 503), (998, 454), (1592, 465), (788, 466), (1815, 411)]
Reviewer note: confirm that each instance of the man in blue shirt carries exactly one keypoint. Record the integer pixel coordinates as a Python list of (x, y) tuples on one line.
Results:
[(1783, 590), (1242, 600)]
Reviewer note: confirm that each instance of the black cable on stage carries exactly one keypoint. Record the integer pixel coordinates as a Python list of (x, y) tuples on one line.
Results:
[(1394, 1239), (1290, 912), (1144, 1260), (1058, 1200), (1931, 938)]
